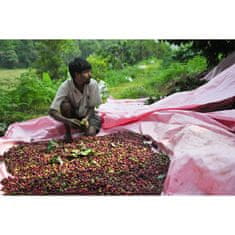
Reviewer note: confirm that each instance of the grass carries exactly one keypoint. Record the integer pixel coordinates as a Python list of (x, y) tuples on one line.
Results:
[(132, 82), (8, 77), (150, 77)]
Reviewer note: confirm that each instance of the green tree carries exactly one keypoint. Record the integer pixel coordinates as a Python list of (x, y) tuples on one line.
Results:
[(53, 56), (8, 56), (26, 52), (89, 47), (128, 52), (17, 53), (10, 59), (213, 50)]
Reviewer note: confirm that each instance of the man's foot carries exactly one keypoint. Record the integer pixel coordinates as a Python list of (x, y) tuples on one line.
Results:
[(90, 131), (68, 139)]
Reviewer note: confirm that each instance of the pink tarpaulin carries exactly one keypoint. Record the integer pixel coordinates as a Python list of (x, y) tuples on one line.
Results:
[(201, 146)]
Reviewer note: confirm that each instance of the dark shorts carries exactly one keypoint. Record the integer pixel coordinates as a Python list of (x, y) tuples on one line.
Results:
[(67, 110)]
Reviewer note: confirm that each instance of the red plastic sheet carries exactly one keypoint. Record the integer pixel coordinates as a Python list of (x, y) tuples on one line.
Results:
[(201, 145)]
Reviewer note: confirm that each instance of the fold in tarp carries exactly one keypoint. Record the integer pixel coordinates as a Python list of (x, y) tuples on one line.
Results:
[(214, 95), (201, 146)]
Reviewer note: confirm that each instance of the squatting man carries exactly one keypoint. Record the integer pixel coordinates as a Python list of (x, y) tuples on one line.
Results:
[(75, 101)]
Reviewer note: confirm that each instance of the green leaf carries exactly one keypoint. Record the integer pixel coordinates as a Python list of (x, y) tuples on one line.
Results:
[(56, 160), (86, 152), (75, 151), (161, 176), (134, 159), (95, 163), (51, 145), (82, 152)]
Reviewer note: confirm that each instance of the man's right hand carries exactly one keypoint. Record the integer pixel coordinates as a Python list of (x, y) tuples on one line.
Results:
[(74, 123)]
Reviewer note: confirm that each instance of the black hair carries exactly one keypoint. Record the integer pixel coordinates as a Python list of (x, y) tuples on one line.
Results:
[(78, 65)]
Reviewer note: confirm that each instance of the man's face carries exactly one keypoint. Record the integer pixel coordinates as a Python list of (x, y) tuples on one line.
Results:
[(83, 78)]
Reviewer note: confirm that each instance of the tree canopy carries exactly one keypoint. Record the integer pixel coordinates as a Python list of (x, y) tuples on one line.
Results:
[(213, 50)]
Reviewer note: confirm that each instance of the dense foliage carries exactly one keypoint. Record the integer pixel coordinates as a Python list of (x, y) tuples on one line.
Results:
[(31, 97), (17, 53), (129, 52), (99, 66), (152, 78), (53, 57), (213, 50), (22, 53)]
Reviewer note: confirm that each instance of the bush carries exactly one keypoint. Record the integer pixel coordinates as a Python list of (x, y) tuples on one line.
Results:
[(152, 78), (33, 94), (196, 65), (116, 77), (99, 66), (184, 52), (53, 57), (135, 92), (9, 59), (30, 98), (180, 76), (121, 53)]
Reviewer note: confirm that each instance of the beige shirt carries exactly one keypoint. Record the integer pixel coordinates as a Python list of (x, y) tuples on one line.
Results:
[(81, 101)]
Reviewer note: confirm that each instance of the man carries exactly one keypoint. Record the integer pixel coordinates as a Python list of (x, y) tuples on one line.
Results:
[(76, 99)]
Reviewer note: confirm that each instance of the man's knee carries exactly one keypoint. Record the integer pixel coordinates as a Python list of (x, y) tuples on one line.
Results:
[(91, 131), (66, 109)]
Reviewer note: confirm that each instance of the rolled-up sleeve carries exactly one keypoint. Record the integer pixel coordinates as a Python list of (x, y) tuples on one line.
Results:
[(60, 96)]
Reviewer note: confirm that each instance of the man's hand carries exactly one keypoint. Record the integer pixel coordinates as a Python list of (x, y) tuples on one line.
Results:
[(84, 122), (74, 123)]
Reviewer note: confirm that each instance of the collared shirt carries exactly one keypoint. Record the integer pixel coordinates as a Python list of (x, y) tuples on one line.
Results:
[(80, 101)]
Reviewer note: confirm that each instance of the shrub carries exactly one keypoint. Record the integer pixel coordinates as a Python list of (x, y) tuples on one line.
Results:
[(32, 93), (156, 80), (99, 66), (116, 77), (196, 65), (134, 92), (30, 98)]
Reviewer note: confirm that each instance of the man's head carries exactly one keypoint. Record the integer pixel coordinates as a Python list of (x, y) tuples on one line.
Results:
[(80, 71)]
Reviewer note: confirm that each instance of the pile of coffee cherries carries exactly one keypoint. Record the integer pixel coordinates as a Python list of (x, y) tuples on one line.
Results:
[(122, 163)]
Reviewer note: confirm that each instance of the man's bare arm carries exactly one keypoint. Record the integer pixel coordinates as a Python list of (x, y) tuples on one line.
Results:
[(67, 121), (90, 112)]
